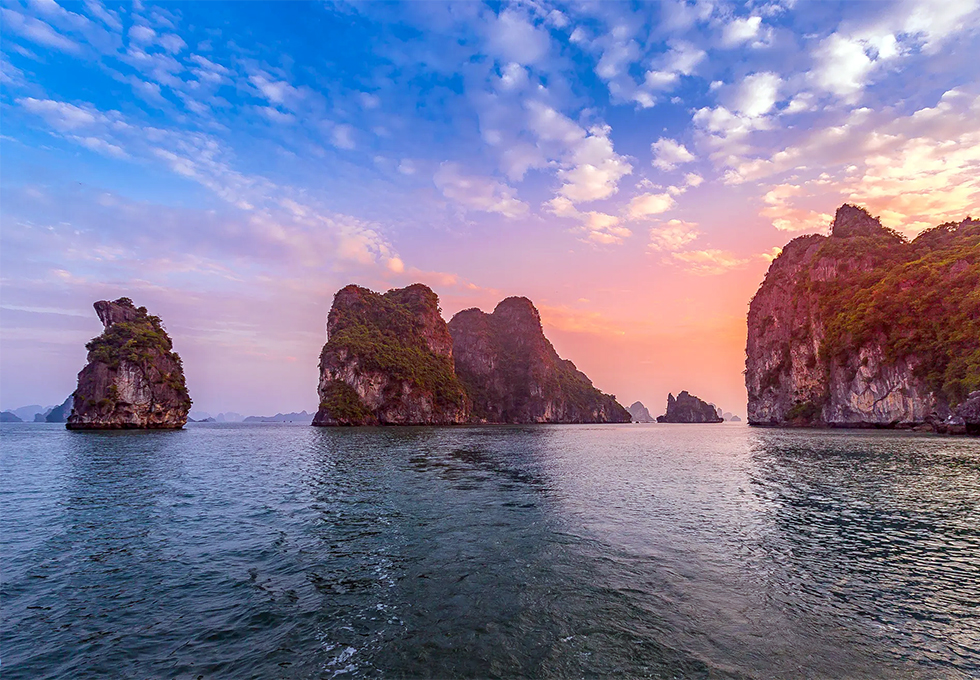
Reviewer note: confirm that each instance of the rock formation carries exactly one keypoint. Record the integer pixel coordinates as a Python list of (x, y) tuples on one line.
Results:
[(392, 359), (388, 360), (512, 373), (10, 417), (133, 378), (687, 408), (865, 329), (59, 414), (640, 413)]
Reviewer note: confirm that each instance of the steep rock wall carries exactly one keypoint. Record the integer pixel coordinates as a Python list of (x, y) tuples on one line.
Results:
[(133, 379)]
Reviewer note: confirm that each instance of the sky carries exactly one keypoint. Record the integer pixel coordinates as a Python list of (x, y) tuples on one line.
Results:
[(632, 168)]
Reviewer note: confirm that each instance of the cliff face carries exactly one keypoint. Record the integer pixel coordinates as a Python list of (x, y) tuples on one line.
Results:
[(687, 408), (864, 329), (388, 360), (640, 413), (512, 373), (133, 378)]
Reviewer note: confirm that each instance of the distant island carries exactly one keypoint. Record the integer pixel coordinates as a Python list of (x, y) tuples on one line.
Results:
[(865, 329), (639, 413), (687, 408), (133, 378), (392, 359)]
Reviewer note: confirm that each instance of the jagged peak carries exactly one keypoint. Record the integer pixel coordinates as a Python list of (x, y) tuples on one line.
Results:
[(853, 220), (519, 308), (117, 311)]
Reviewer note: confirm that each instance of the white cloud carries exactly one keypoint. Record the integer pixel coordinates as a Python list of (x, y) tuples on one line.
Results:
[(669, 153), (589, 167), (693, 179), (787, 217), (172, 42), (740, 30), (477, 193), (709, 262), (673, 235), (757, 94), (342, 136), (599, 227), (37, 31), (60, 115), (645, 205), (514, 39), (842, 65), (144, 35)]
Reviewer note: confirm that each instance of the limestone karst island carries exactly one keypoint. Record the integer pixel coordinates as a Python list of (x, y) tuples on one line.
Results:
[(865, 329)]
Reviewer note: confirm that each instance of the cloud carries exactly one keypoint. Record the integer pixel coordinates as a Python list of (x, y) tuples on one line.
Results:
[(144, 35), (60, 115), (512, 38), (477, 193), (740, 30), (599, 227), (37, 31), (589, 167), (342, 136), (673, 235), (711, 262), (787, 217), (669, 153), (757, 94), (841, 66), (645, 205)]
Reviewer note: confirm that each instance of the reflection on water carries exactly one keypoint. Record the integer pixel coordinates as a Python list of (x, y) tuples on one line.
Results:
[(666, 551)]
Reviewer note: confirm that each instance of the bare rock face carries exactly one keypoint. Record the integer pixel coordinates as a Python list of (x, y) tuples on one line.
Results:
[(388, 360), (687, 408), (864, 329), (512, 373), (133, 378), (640, 414)]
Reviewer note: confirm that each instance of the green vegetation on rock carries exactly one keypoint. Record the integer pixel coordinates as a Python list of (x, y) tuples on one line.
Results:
[(918, 299), (343, 404), (386, 333), (140, 339)]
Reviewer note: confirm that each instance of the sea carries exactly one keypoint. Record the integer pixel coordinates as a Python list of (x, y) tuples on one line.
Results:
[(547, 551)]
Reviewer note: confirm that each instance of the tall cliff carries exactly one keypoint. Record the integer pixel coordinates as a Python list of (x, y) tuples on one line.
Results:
[(512, 373), (865, 329), (388, 360), (133, 378)]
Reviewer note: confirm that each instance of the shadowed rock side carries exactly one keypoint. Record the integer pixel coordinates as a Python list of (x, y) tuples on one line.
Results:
[(512, 373), (687, 408), (864, 329), (640, 413), (388, 360), (133, 379)]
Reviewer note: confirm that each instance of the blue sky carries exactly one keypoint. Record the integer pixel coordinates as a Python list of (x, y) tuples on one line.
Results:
[(631, 167)]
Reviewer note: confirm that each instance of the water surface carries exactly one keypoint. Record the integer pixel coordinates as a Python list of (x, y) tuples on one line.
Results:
[(232, 551)]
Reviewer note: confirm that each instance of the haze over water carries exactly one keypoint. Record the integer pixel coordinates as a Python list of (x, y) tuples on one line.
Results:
[(667, 550)]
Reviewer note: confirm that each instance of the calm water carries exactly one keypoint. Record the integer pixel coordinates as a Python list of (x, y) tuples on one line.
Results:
[(233, 551)]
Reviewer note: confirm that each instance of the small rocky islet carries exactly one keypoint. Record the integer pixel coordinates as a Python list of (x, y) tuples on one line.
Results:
[(392, 359), (133, 378), (863, 328), (686, 408)]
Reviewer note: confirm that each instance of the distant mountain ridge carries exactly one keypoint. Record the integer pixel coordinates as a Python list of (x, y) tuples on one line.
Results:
[(294, 417)]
